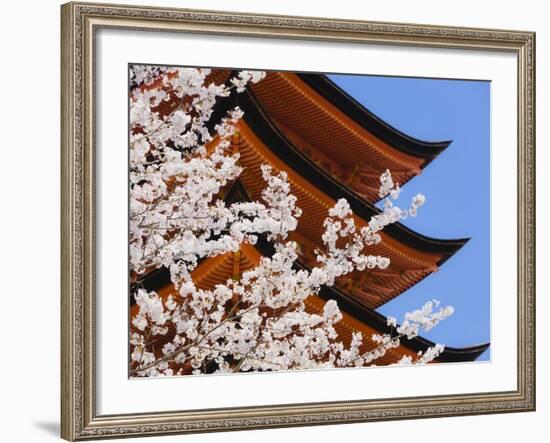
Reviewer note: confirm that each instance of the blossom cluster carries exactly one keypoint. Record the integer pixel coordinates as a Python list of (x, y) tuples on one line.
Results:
[(259, 322)]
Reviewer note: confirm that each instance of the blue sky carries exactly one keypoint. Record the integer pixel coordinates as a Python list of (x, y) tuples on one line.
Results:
[(456, 186)]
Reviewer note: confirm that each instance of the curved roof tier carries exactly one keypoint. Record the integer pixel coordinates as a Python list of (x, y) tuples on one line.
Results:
[(338, 133), (357, 317), (427, 150)]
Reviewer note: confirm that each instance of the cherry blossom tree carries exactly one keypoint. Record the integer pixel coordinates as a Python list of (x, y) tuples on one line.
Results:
[(178, 166)]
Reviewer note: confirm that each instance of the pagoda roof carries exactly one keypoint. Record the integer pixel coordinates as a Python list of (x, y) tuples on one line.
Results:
[(427, 150), (340, 134), (337, 132), (356, 315)]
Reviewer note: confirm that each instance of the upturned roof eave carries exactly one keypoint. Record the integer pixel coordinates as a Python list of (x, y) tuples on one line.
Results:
[(427, 150)]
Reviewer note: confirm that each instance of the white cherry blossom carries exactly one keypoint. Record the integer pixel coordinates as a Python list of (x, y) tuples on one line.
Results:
[(178, 170)]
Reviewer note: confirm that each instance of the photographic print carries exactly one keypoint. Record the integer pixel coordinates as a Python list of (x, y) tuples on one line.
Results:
[(286, 221), (316, 202), (256, 201)]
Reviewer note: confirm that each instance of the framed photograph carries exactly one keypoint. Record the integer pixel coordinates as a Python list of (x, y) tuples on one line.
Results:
[(281, 221)]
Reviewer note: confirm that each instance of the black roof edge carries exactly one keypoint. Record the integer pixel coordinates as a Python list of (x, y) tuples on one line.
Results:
[(428, 150), (460, 242), (257, 118)]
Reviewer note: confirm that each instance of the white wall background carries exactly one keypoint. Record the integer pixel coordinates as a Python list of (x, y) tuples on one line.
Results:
[(29, 219)]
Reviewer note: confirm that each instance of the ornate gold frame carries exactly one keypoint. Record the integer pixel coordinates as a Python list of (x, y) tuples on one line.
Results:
[(78, 417)]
